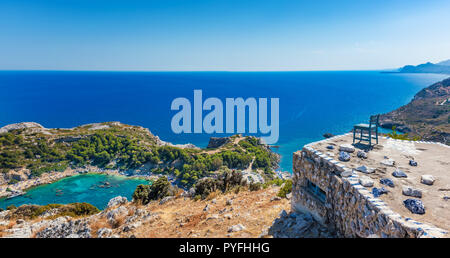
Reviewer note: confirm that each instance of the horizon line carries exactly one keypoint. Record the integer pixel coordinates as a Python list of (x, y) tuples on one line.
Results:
[(100, 70)]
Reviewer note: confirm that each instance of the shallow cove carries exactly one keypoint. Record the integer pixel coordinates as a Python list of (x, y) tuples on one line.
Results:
[(96, 189)]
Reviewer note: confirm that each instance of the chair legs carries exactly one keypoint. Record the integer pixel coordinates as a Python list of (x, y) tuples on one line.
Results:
[(376, 131), (368, 137)]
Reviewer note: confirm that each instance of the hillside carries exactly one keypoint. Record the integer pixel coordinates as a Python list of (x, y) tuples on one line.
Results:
[(30, 151), (236, 213), (427, 115)]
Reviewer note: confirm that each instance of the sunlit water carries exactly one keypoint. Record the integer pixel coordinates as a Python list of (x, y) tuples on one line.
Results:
[(96, 189), (311, 103)]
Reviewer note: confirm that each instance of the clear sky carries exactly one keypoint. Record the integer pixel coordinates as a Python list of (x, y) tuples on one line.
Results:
[(222, 35)]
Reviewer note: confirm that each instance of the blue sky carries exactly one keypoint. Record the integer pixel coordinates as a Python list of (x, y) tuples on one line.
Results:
[(228, 35)]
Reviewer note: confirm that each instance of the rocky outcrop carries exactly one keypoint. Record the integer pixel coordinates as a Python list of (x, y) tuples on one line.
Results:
[(297, 225), (119, 200), (65, 227), (216, 142), (30, 127), (23, 125)]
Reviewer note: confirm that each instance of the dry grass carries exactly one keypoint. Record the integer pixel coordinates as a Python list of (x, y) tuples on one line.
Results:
[(186, 218), (97, 224), (34, 233), (119, 221), (3, 228), (213, 195)]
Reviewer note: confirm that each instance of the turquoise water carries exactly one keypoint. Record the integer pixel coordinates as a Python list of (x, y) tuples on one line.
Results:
[(311, 103), (89, 188)]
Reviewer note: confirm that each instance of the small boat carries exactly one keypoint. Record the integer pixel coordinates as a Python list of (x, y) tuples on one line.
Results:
[(15, 194)]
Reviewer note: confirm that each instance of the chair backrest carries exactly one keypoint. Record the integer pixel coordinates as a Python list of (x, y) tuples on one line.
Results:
[(374, 120)]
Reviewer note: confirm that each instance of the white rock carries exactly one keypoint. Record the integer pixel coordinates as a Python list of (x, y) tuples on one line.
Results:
[(366, 181), (427, 179), (409, 191), (362, 154), (388, 162), (213, 216), (118, 200), (347, 173), (347, 148), (116, 213), (228, 216), (236, 228), (365, 169), (104, 232)]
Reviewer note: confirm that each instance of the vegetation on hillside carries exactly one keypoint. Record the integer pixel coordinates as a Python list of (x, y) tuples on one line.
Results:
[(427, 116), (159, 189), (226, 180), (58, 210), (404, 136), (126, 147)]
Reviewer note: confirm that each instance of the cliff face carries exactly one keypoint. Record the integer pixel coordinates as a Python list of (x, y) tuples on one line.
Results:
[(427, 115)]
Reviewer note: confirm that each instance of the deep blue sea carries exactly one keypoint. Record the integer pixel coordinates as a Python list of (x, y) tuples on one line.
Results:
[(311, 103)]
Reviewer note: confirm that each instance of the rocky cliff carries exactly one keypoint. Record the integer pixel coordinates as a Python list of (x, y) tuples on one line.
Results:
[(427, 115)]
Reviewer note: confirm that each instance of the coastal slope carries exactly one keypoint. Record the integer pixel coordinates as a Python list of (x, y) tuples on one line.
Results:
[(426, 116)]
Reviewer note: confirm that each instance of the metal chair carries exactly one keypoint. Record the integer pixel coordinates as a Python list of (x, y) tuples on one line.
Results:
[(367, 131)]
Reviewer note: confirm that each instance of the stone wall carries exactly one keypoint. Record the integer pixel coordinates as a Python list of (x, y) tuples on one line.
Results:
[(349, 208)]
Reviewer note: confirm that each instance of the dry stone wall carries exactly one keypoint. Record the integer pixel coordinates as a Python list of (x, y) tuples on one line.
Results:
[(349, 208)]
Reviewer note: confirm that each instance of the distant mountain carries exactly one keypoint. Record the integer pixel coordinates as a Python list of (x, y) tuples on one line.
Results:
[(446, 63), (442, 67)]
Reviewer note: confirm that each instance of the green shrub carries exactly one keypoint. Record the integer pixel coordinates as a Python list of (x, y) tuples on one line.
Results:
[(78, 209), (286, 189), (13, 181), (11, 207), (395, 135), (72, 210), (158, 190), (226, 180), (255, 186), (31, 211), (276, 181), (206, 186), (141, 194)]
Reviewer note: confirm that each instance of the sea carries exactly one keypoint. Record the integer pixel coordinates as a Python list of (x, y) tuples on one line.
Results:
[(310, 103)]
